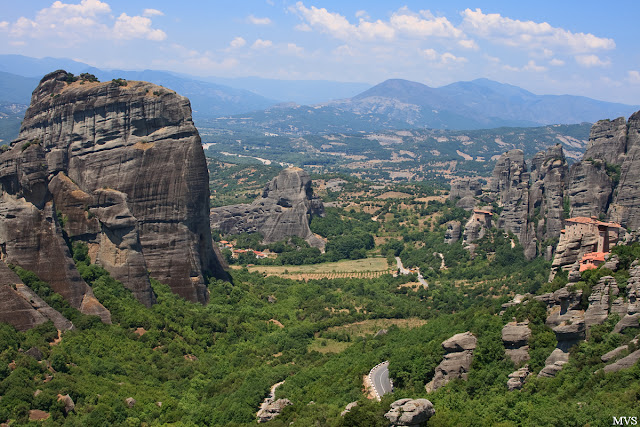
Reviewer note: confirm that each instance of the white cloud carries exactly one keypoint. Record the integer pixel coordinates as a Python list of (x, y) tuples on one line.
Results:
[(589, 61), (303, 27), (448, 58), (529, 34), (4, 25), (136, 27), (362, 14), (443, 59), (294, 49), (258, 21), (414, 26), (90, 19), (403, 21), (633, 76), (532, 66), (556, 62), (493, 59), (152, 12), (468, 44), (343, 50), (430, 54), (237, 42), (262, 44)]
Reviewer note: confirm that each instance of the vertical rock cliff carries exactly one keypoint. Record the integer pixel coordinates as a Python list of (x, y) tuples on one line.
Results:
[(283, 210), (532, 196), (120, 166)]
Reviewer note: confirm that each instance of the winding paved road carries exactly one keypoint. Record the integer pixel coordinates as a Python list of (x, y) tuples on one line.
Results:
[(404, 271), (379, 376)]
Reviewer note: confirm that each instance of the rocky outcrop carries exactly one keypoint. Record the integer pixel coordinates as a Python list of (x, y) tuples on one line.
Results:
[(629, 308), (348, 408), (518, 378), (122, 168), (615, 353), (410, 412), (515, 338), (272, 409), (22, 308), (531, 197), (624, 363), (566, 319), (599, 301), (456, 362), (452, 234), (281, 212)]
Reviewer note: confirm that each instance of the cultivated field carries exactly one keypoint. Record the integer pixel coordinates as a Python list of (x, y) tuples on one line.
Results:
[(362, 268)]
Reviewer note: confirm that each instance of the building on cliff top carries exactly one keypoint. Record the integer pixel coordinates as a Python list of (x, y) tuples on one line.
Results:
[(592, 260), (608, 232)]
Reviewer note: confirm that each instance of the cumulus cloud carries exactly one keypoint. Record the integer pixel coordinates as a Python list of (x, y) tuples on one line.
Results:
[(258, 21), (468, 44), (633, 76), (237, 42), (529, 34), (443, 59), (530, 66), (4, 25), (262, 44), (343, 50), (152, 12), (303, 27), (294, 49), (90, 19), (556, 62), (590, 61), (136, 27), (402, 22), (423, 25)]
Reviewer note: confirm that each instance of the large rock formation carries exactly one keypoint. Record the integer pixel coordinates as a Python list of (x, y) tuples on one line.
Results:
[(282, 211), (410, 412), (120, 167), (531, 197), (22, 308), (515, 337), (456, 362)]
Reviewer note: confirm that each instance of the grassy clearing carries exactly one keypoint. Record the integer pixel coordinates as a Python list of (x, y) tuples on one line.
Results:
[(324, 345), (363, 268), (371, 326), (358, 329)]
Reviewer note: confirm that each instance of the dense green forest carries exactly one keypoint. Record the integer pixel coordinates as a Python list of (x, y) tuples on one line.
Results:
[(189, 364)]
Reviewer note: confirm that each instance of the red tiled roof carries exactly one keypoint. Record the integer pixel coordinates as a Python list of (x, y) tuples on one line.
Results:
[(586, 220)]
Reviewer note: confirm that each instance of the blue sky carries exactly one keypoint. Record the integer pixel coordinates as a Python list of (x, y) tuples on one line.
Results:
[(548, 47)]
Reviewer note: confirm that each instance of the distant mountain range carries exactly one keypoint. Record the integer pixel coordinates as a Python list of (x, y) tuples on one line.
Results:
[(394, 104), (258, 103)]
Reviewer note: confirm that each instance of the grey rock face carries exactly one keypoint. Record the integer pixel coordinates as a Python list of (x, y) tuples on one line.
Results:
[(589, 189), (531, 198), (598, 309), (452, 234), (624, 363), (624, 208), (608, 141), (124, 166), (515, 337), (517, 378), (280, 213), (615, 353), (456, 362), (410, 412), (464, 187), (272, 409), (348, 408)]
